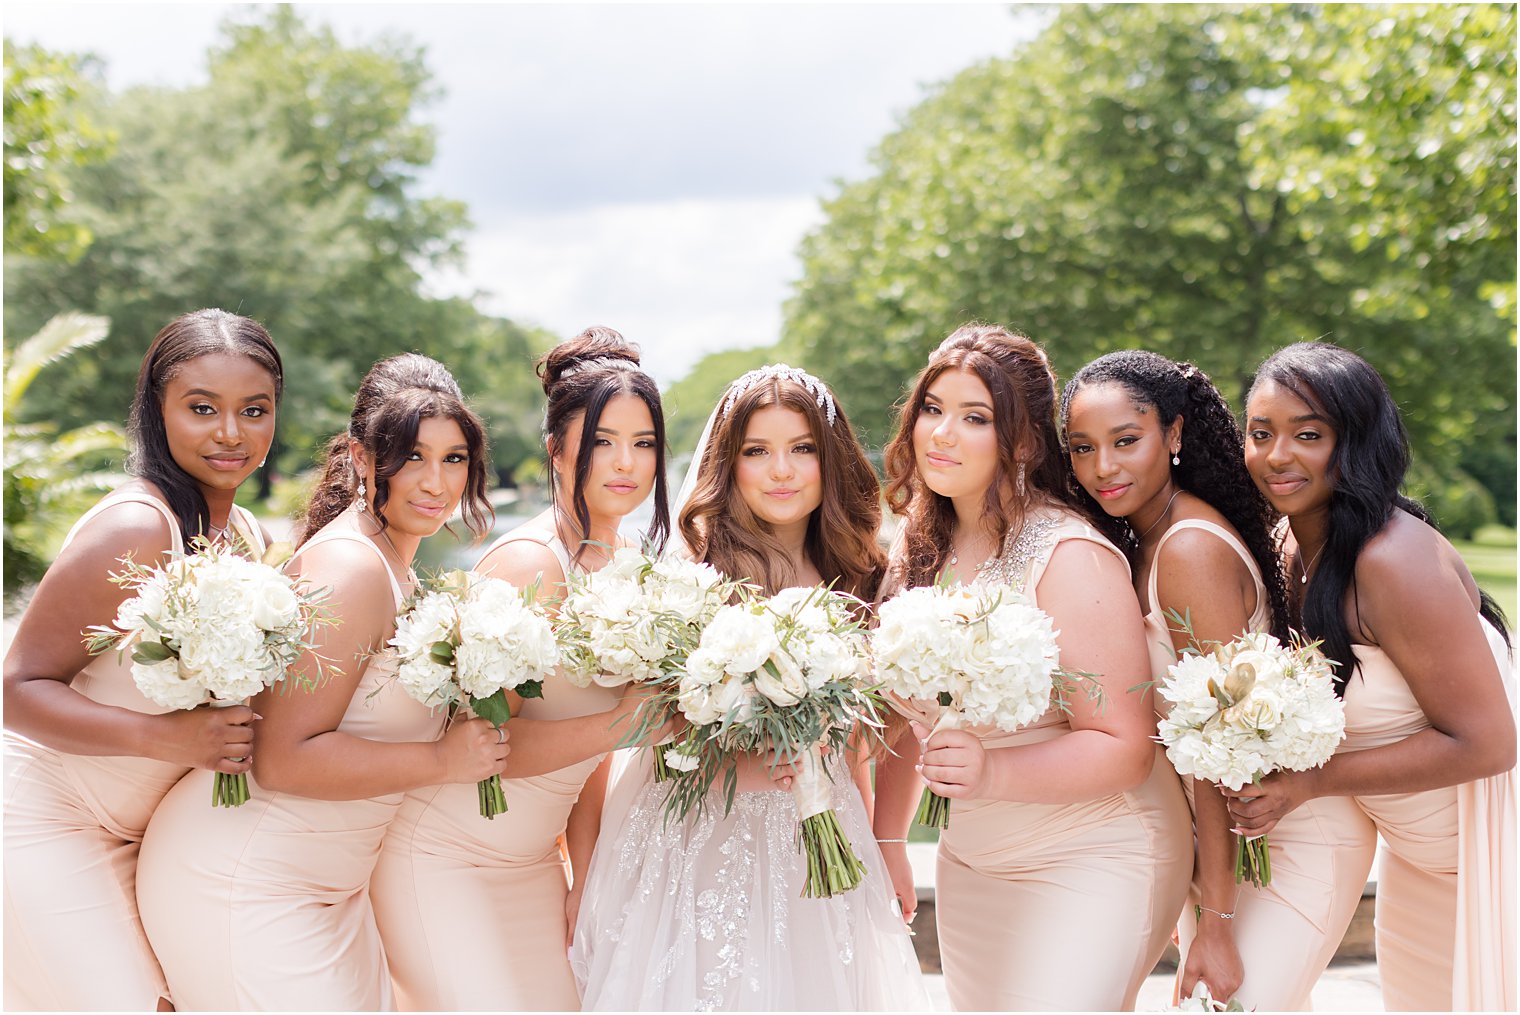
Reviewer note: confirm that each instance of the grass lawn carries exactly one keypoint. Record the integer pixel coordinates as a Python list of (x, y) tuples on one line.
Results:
[(1491, 556)]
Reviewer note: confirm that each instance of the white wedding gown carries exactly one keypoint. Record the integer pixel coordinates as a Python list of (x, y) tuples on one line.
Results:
[(707, 914)]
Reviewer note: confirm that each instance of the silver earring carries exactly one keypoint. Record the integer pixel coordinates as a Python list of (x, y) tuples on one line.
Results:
[(1177, 457), (263, 463), (359, 494), (1019, 481)]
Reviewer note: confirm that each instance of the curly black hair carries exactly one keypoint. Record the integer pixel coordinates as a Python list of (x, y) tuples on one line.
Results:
[(1212, 465), (1367, 468)]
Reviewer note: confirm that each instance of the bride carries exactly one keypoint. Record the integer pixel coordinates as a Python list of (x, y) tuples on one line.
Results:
[(707, 913)]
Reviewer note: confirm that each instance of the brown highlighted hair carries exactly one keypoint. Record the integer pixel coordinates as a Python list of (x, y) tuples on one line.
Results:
[(720, 528), (580, 376), (187, 337), (393, 399), (1023, 388)]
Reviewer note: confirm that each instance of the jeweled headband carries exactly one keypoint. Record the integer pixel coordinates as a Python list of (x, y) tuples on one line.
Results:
[(781, 372)]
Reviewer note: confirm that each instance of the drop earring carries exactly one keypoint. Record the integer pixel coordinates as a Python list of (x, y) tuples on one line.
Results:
[(1019, 480), (1177, 457), (359, 496)]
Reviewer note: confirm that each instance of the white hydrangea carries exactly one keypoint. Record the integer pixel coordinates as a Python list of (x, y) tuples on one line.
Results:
[(993, 652), (164, 684), (1250, 708)]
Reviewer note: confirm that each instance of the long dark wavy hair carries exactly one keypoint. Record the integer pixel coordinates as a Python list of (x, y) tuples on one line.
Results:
[(719, 528), (187, 337), (1367, 467), (1023, 387), (580, 376), (1212, 466), (393, 399)]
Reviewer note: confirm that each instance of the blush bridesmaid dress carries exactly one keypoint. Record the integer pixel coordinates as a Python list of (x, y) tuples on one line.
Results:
[(472, 912), (266, 906), (1286, 932), (1058, 906), (73, 828)]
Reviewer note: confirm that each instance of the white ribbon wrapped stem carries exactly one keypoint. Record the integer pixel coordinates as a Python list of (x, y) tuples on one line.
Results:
[(810, 786)]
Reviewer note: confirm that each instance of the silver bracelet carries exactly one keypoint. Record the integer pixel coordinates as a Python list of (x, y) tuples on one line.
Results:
[(891, 840), (1206, 909)]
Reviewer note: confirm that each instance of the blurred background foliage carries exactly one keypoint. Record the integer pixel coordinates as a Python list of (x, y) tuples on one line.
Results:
[(1208, 182)]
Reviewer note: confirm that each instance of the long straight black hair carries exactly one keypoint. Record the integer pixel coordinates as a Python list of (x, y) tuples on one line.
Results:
[(580, 376), (187, 337), (1366, 467)]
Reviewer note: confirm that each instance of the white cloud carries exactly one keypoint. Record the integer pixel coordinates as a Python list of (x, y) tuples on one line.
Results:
[(681, 278)]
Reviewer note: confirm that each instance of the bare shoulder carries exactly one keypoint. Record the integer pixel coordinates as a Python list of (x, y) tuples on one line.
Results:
[(1404, 549), (1199, 561), (1084, 560), (522, 562), (127, 526), (356, 575)]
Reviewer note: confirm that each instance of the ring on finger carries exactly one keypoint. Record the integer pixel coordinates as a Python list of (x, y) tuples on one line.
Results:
[(501, 736)]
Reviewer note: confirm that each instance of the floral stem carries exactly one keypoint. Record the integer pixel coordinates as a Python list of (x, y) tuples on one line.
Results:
[(933, 810)]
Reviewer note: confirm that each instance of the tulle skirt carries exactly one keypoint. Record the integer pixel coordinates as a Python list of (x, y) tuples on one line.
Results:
[(707, 914)]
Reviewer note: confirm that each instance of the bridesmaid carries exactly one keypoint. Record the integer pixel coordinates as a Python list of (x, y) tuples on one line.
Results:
[(1425, 672), (452, 887), (707, 914), (1153, 443), (265, 906), (1067, 858), (87, 757)]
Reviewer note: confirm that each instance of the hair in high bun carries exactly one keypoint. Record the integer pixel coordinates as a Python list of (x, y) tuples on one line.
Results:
[(580, 376)]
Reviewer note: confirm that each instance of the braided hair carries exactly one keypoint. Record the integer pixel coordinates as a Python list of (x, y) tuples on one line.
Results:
[(1212, 466)]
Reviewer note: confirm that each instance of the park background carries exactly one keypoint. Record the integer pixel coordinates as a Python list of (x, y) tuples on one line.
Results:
[(837, 187)]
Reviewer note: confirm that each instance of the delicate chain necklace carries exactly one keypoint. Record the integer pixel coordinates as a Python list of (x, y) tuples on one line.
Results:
[(1304, 578), (394, 553), (1162, 515)]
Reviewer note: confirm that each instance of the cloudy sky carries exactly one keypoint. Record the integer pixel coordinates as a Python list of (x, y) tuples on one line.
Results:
[(652, 168)]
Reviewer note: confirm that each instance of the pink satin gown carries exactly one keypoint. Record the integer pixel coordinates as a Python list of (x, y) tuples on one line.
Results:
[(1445, 921), (471, 911), (1051, 907), (266, 906), (1287, 931), (73, 828)]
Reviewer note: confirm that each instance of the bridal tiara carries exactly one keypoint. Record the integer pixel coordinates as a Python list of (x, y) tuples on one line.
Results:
[(782, 372), (601, 363)]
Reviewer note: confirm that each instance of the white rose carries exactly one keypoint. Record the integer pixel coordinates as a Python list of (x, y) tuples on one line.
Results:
[(274, 606), (786, 686), (165, 684)]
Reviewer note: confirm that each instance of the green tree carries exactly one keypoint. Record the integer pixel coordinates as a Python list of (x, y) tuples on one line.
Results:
[(283, 189), (49, 474), (1207, 182), (45, 133)]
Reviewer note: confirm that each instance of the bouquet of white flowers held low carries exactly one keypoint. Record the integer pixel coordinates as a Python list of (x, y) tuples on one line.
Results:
[(986, 655), (635, 621), (783, 674), (1242, 710), (213, 628), (464, 639)]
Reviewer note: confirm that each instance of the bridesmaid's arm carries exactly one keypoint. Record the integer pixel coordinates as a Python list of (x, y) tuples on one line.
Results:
[(1419, 603), (581, 831), (48, 652), (897, 791), (300, 749), (1199, 576), (541, 746), (1086, 592)]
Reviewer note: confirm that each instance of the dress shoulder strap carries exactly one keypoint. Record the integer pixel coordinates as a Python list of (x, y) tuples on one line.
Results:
[(330, 534), (176, 542), (542, 537), (248, 527), (1227, 537)]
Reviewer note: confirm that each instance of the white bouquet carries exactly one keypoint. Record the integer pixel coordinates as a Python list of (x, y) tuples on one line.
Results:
[(464, 639), (635, 621), (784, 673), (1245, 709), (211, 628), (985, 655)]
